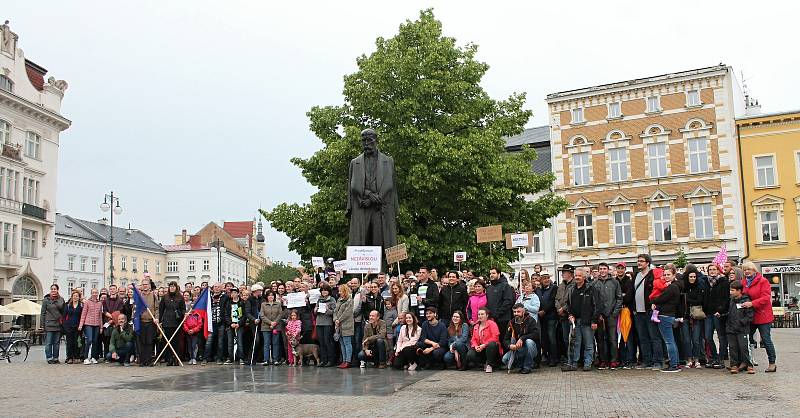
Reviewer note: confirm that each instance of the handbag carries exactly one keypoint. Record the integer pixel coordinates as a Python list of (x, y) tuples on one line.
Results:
[(696, 312)]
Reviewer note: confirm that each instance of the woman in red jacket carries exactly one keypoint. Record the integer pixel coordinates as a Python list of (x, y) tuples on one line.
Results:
[(758, 289), (485, 342)]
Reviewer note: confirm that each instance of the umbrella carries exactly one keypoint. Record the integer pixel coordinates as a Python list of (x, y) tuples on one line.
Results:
[(7, 312), (25, 307), (625, 323)]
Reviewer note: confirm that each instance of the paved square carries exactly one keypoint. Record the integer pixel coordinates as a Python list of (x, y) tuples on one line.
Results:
[(37, 389)]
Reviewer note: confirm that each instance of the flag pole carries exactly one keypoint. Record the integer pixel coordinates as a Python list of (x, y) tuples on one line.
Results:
[(170, 339), (161, 330)]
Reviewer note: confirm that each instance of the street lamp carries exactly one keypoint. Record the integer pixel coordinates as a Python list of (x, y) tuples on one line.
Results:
[(105, 206), (220, 246)]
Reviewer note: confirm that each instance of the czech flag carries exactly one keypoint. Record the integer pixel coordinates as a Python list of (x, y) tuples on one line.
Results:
[(202, 307)]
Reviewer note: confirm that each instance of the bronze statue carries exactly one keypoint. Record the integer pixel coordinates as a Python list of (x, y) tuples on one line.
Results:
[(372, 204)]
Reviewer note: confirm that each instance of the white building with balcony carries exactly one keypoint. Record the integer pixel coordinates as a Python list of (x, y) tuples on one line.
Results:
[(79, 257), (189, 263), (30, 124)]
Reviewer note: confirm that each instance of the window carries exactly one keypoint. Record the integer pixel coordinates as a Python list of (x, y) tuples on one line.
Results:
[(765, 171), (703, 222), (5, 132), (693, 98), (94, 285), (6, 84), (33, 144), (614, 110), (28, 243), (622, 227), (124, 262), (83, 260), (71, 263), (657, 159), (8, 183), (662, 224), (537, 243), (653, 104), (94, 265), (769, 226), (172, 266), (580, 164), (70, 285), (145, 263), (698, 155), (158, 267), (619, 164), (191, 265), (83, 289), (577, 115), (134, 263), (585, 231), (10, 238), (206, 265)]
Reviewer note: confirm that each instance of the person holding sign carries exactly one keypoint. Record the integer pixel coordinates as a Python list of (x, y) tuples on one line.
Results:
[(326, 306), (425, 291)]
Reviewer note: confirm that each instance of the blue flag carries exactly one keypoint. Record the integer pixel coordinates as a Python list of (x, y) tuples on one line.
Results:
[(139, 308)]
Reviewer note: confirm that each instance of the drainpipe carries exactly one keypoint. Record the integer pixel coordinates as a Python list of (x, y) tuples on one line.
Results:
[(744, 202)]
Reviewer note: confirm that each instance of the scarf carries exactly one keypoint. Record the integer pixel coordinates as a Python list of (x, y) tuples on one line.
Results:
[(750, 280)]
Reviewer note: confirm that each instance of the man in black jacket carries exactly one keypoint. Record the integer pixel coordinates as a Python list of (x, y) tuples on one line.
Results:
[(582, 312), (523, 339), (253, 316), (234, 315), (548, 318), (452, 297), (499, 300), (716, 309), (650, 344), (426, 291)]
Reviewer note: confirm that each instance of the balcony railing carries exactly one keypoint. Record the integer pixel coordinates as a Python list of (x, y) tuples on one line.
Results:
[(10, 205), (34, 211)]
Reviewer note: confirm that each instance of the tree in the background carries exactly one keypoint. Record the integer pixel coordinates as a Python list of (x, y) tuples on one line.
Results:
[(421, 92), (277, 271), (680, 259)]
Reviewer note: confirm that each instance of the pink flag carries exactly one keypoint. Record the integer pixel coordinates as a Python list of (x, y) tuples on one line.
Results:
[(722, 256)]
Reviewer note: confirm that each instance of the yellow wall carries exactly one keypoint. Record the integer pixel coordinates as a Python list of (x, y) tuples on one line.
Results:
[(129, 275), (778, 135)]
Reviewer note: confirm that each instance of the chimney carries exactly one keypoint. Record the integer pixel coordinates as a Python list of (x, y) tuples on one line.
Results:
[(183, 236), (751, 106), (103, 221)]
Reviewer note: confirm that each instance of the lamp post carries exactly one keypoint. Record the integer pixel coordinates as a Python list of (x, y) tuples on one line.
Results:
[(220, 246), (110, 201)]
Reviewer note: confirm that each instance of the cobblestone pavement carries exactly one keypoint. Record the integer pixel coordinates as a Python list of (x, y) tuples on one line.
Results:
[(37, 389)]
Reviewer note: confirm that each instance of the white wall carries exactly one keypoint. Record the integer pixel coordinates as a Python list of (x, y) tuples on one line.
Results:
[(69, 246), (233, 267)]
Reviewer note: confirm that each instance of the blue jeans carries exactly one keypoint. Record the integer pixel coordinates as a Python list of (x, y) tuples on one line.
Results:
[(523, 356), (698, 328), (91, 333), (193, 338), (649, 339), (583, 335), (712, 323), (357, 338), (549, 343), (217, 335), (346, 345), (766, 339), (378, 352), (272, 344), (52, 343), (450, 358), (566, 327), (665, 328)]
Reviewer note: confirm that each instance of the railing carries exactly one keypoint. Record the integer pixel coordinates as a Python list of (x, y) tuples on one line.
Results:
[(34, 211), (10, 205)]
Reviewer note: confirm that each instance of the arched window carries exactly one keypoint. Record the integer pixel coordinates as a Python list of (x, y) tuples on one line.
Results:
[(24, 288)]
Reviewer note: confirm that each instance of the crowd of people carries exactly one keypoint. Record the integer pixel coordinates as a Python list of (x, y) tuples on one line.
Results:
[(599, 317)]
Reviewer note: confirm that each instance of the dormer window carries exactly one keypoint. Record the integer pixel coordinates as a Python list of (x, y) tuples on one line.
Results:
[(6, 84), (577, 115)]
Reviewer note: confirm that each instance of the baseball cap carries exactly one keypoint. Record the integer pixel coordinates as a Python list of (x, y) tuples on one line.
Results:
[(622, 264)]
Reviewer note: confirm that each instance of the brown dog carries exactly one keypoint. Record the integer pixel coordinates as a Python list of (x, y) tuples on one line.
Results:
[(301, 351)]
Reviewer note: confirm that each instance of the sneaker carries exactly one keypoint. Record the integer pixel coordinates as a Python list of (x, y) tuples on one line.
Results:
[(220, 363), (587, 368), (411, 367), (203, 363), (127, 364), (227, 362), (626, 367), (642, 367), (241, 362), (568, 368), (670, 370), (363, 365), (488, 369), (657, 367), (87, 361), (94, 361), (602, 366), (614, 365)]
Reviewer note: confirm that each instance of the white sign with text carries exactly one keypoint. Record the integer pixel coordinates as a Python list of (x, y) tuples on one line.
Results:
[(364, 259)]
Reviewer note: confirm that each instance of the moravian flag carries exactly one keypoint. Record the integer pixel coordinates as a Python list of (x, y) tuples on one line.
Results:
[(203, 308)]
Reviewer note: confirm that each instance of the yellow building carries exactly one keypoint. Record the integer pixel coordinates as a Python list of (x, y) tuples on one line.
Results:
[(769, 146)]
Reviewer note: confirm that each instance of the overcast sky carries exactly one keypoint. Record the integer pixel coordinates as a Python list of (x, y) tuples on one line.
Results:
[(191, 110)]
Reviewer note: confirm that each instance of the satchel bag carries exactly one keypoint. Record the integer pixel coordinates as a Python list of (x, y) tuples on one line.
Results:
[(696, 312)]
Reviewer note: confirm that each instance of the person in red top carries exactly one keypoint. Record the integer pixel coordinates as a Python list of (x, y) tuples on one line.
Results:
[(758, 289), (485, 342)]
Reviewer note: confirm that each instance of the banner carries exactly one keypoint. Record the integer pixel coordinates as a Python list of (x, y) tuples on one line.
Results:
[(317, 262), (459, 256), (365, 259), (489, 233), (396, 254)]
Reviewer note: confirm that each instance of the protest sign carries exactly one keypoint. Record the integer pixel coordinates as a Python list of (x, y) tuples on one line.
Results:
[(396, 254), (363, 259), (317, 262), (489, 233)]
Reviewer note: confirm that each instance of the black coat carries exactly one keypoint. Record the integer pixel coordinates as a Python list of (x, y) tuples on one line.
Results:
[(580, 304), (626, 284), (739, 319), (499, 300), (431, 297), (547, 301), (668, 301), (528, 329), (451, 299), (171, 310), (718, 297), (227, 306)]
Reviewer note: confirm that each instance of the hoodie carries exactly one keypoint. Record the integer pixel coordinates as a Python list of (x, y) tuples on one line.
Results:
[(499, 300)]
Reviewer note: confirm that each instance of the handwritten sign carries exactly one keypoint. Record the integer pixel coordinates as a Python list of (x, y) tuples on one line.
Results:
[(317, 262), (340, 265), (295, 300), (313, 295), (459, 256), (366, 259), (396, 254), (489, 233), (519, 240)]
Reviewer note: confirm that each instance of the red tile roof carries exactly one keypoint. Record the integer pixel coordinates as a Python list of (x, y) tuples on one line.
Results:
[(239, 229), (35, 74)]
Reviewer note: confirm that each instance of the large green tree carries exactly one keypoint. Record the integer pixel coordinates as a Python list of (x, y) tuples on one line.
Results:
[(277, 271), (421, 92)]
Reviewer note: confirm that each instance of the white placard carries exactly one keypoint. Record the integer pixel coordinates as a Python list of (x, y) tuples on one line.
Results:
[(364, 259), (313, 296), (340, 265), (317, 262), (322, 308), (413, 299), (459, 256), (519, 240), (296, 300)]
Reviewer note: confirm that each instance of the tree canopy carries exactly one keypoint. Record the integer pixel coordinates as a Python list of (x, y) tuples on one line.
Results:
[(277, 271), (421, 92)]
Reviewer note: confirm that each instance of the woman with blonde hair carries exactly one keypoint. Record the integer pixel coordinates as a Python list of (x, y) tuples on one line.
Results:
[(758, 289)]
